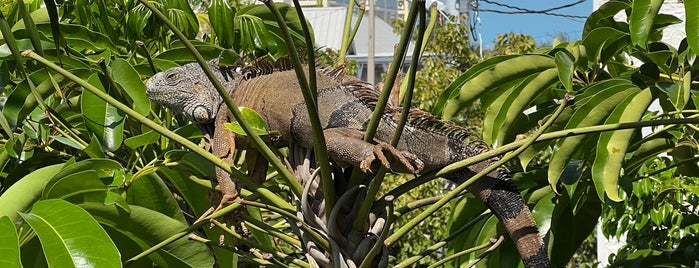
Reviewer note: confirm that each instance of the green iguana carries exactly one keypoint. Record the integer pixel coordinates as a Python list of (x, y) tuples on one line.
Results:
[(345, 105)]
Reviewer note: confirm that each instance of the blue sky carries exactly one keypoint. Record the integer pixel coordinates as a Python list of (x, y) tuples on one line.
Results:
[(542, 27)]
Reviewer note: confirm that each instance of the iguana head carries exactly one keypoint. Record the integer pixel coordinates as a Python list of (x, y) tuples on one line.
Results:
[(186, 90)]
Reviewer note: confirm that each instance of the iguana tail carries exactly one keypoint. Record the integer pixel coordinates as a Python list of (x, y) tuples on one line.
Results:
[(503, 199)]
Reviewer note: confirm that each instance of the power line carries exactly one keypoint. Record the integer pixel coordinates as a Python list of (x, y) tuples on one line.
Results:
[(520, 10), (535, 11)]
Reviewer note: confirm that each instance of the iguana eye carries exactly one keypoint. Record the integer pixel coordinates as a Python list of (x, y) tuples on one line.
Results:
[(172, 76)]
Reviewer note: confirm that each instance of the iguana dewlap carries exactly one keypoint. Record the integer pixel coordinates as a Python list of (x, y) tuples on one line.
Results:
[(345, 106)]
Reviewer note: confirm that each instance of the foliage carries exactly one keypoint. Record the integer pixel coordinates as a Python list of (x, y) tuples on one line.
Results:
[(83, 140), (513, 43), (81, 135), (660, 215), (606, 167)]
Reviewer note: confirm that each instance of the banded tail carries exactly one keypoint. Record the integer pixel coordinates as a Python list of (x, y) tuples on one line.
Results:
[(504, 200)]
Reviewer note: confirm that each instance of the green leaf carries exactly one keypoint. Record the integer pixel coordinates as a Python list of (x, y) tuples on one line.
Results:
[(453, 89), (502, 72), (466, 209), (517, 101), (30, 25), (182, 15), (643, 14), (150, 191), (603, 43), (649, 148), (260, 236), (77, 183), (21, 195), (691, 11), (221, 18), (83, 181), (104, 167), (149, 137), (182, 55), (604, 16), (70, 237), (102, 119), (608, 94), (490, 122), (21, 102), (127, 77), (137, 20), (254, 120), (80, 37), (188, 189), (68, 142), (10, 41), (9, 244), (147, 228), (263, 31), (565, 63), (94, 148), (611, 146)]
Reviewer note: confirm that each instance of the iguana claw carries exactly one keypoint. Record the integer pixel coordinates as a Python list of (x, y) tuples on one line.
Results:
[(404, 161)]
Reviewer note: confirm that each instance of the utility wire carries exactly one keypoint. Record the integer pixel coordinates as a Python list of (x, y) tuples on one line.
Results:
[(520, 10), (535, 11)]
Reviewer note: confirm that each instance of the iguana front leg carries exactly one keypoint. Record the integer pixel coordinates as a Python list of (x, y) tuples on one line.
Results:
[(223, 147), (347, 147)]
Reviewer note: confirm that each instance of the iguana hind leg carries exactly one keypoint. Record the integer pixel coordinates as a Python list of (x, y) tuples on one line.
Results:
[(346, 146)]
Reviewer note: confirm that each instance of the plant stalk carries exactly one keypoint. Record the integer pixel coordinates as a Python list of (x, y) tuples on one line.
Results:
[(309, 96)]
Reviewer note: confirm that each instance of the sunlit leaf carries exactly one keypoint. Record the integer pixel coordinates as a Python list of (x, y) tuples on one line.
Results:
[(691, 9), (254, 120), (499, 73), (21, 195), (565, 64), (70, 237), (102, 119), (125, 75), (611, 147), (643, 13), (9, 244), (147, 228), (150, 191), (221, 17)]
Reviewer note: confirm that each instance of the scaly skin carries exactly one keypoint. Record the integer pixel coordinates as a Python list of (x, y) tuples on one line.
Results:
[(345, 105)]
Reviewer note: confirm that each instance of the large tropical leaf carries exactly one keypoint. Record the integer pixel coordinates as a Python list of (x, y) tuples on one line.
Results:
[(21, 195), (494, 75), (643, 14), (101, 118), (146, 228), (70, 237), (9, 244), (611, 147)]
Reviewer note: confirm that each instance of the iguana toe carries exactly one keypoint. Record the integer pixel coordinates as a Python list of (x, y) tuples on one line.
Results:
[(402, 161)]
